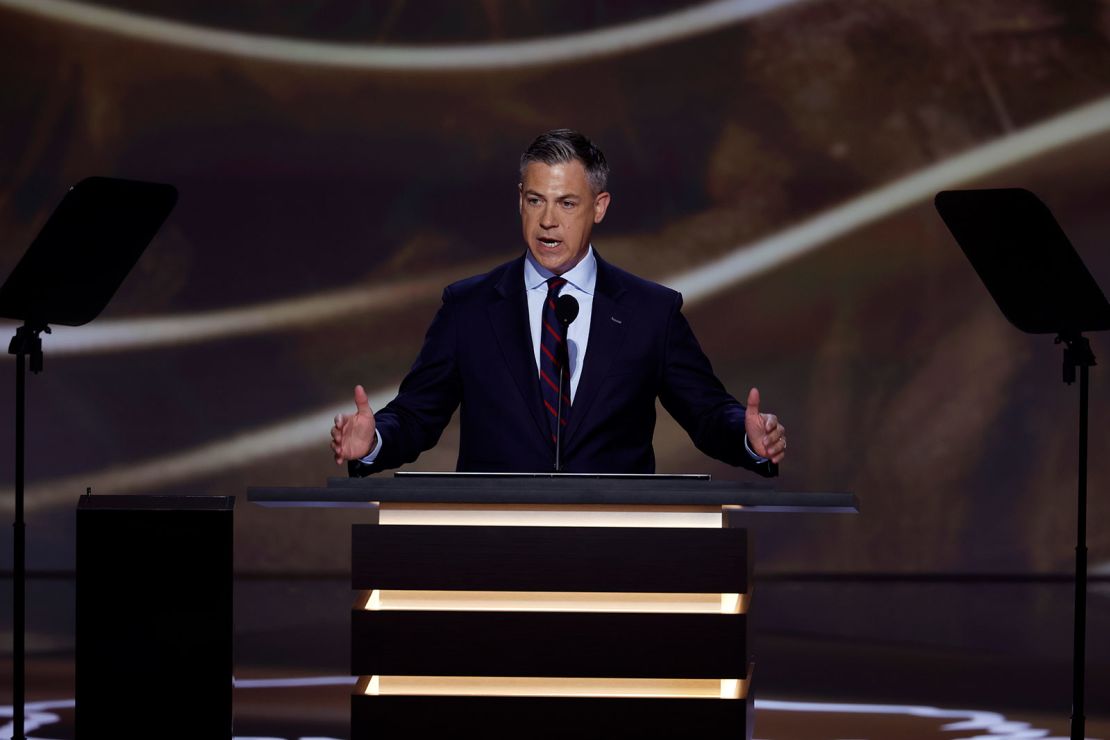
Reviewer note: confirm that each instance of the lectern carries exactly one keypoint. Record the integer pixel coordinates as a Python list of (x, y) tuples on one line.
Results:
[(154, 617), (551, 606)]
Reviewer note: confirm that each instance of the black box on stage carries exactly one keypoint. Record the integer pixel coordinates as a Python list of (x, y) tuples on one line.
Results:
[(154, 617)]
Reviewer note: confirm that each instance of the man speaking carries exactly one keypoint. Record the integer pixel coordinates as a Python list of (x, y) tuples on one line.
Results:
[(556, 358)]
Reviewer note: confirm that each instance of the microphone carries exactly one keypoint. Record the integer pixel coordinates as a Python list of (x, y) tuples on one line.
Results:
[(566, 311)]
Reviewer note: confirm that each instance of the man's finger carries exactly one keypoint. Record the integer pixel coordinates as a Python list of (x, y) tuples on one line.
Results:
[(362, 403), (771, 423), (753, 402), (777, 451)]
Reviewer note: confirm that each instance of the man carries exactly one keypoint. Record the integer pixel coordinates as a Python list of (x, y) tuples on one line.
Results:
[(495, 349)]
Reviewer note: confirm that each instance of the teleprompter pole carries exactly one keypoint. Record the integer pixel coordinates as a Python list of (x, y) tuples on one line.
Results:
[(1078, 355), (26, 344), (19, 549), (1078, 716)]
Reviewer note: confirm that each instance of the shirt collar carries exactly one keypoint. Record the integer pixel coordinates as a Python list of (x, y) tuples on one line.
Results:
[(582, 276)]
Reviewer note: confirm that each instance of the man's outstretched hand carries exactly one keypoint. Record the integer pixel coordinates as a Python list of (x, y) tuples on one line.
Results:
[(765, 435), (352, 437)]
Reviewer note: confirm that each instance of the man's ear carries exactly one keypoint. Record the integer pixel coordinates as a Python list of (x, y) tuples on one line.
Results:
[(520, 197), (601, 205)]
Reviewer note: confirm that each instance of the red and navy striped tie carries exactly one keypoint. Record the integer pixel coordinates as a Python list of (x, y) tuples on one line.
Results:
[(553, 353)]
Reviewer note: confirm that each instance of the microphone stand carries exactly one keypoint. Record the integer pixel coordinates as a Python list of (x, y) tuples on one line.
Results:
[(566, 310), (559, 409)]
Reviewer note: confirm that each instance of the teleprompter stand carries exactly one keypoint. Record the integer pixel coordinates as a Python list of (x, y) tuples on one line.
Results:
[(68, 275), (1042, 286)]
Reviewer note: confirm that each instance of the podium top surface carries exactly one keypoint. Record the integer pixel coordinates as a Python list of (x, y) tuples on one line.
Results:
[(552, 489), (156, 503)]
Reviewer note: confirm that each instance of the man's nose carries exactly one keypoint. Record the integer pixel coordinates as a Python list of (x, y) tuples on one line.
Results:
[(547, 218)]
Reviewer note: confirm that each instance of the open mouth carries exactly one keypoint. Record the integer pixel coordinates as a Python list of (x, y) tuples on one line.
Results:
[(550, 243)]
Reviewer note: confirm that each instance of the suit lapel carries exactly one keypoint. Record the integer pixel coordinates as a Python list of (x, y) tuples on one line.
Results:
[(606, 337), (509, 317)]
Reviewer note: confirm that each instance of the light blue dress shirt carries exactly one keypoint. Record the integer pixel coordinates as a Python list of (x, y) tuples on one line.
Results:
[(581, 280)]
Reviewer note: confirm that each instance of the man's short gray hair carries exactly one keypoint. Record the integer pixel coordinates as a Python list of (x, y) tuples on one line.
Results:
[(563, 145)]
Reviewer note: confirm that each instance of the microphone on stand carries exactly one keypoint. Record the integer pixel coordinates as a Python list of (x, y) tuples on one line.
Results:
[(566, 311)]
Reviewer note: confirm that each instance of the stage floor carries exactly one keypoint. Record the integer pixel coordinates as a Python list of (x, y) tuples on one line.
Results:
[(862, 659)]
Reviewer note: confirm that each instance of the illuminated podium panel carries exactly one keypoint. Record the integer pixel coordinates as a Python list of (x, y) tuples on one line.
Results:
[(551, 606)]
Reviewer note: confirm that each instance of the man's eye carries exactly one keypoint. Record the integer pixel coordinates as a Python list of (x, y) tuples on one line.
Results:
[(533, 201), (569, 204)]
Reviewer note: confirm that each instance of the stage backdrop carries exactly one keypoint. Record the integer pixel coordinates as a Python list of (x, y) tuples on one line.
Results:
[(339, 162)]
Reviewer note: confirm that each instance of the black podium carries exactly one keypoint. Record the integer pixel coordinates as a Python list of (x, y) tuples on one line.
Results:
[(154, 616), (551, 606)]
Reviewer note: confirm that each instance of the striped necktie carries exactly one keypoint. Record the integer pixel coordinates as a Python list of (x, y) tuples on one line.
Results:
[(553, 356)]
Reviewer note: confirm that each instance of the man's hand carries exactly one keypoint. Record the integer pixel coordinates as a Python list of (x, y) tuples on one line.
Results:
[(765, 435), (352, 437)]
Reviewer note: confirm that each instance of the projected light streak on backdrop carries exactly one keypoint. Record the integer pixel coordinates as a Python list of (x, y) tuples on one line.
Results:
[(593, 44), (991, 724), (741, 264), (304, 312)]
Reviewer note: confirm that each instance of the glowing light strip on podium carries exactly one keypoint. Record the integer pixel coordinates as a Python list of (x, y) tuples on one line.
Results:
[(552, 601), (561, 515), (729, 689)]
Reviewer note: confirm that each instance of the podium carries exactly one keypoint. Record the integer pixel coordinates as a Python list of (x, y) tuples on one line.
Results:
[(154, 616), (551, 605)]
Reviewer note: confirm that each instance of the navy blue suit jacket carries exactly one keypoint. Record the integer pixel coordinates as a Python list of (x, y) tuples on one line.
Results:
[(478, 356)]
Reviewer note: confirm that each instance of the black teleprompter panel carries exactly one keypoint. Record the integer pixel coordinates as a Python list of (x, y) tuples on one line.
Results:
[(617, 559), (572, 644), (154, 617), (549, 718)]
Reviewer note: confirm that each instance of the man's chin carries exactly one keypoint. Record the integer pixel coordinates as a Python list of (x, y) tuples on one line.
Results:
[(554, 262), (557, 262)]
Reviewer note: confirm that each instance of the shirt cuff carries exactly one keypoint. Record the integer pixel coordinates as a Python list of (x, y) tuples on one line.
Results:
[(748, 447), (373, 455)]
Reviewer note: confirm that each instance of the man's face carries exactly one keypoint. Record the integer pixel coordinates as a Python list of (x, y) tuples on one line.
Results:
[(557, 212)]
